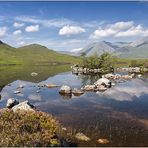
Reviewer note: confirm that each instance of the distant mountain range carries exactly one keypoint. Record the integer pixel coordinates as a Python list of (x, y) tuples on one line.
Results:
[(136, 49)]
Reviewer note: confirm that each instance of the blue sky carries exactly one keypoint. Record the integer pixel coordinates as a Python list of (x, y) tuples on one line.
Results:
[(72, 25)]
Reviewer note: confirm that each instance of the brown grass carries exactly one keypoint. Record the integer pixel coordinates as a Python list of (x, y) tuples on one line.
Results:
[(27, 129)]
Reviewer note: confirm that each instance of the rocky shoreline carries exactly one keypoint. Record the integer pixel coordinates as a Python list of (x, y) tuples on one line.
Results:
[(76, 69)]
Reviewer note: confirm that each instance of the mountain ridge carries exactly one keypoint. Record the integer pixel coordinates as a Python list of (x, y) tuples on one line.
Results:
[(135, 49)]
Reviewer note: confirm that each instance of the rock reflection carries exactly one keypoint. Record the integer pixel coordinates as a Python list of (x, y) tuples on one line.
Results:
[(66, 96), (88, 79)]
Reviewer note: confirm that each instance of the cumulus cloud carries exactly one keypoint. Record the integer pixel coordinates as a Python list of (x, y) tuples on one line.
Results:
[(32, 28), (18, 25), (71, 30), (3, 31), (76, 49), (17, 32), (120, 29)]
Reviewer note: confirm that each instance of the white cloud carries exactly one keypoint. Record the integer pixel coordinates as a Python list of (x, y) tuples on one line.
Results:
[(18, 25), (121, 25), (70, 30), (76, 49), (57, 22), (17, 32), (133, 31), (32, 28), (3, 31), (120, 29)]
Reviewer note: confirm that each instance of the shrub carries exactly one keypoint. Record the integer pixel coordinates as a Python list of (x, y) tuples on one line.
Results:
[(27, 129), (103, 62)]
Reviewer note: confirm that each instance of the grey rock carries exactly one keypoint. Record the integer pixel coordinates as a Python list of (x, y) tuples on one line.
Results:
[(11, 102), (25, 106)]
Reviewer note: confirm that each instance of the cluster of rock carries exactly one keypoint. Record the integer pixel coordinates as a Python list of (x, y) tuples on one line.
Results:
[(130, 69), (102, 84), (67, 90), (79, 70), (82, 137), (115, 77), (15, 105)]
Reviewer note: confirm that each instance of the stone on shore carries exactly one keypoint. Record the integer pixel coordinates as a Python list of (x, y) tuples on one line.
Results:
[(11, 102), (25, 106)]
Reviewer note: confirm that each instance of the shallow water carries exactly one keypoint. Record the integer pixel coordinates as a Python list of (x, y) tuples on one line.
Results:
[(119, 114)]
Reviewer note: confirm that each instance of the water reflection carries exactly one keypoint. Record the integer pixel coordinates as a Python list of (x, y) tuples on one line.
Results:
[(119, 114), (127, 91), (88, 79)]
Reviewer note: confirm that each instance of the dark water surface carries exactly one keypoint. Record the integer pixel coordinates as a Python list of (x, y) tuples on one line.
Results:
[(119, 114)]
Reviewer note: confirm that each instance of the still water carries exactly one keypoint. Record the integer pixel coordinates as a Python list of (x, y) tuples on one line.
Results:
[(119, 114)]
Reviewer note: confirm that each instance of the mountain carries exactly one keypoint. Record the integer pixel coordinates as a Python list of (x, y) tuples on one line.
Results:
[(140, 42), (101, 47), (32, 54), (135, 49), (67, 52)]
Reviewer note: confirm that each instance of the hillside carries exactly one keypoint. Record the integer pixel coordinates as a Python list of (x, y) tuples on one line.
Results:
[(33, 54)]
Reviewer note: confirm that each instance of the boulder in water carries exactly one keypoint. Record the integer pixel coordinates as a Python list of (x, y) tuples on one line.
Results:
[(103, 81), (82, 137), (65, 90), (77, 92), (103, 141)]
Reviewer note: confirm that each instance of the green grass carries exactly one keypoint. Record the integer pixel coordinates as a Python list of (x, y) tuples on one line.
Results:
[(33, 54)]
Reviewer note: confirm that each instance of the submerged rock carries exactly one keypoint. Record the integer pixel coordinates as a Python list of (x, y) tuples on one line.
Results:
[(65, 90), (17, 92), (82, 137), (103, 141), (101, 88), (127, 77), (26, 106), (38, 91), (21, 86), (11, 102), (51, 85), (40, 85), (77, 92)]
